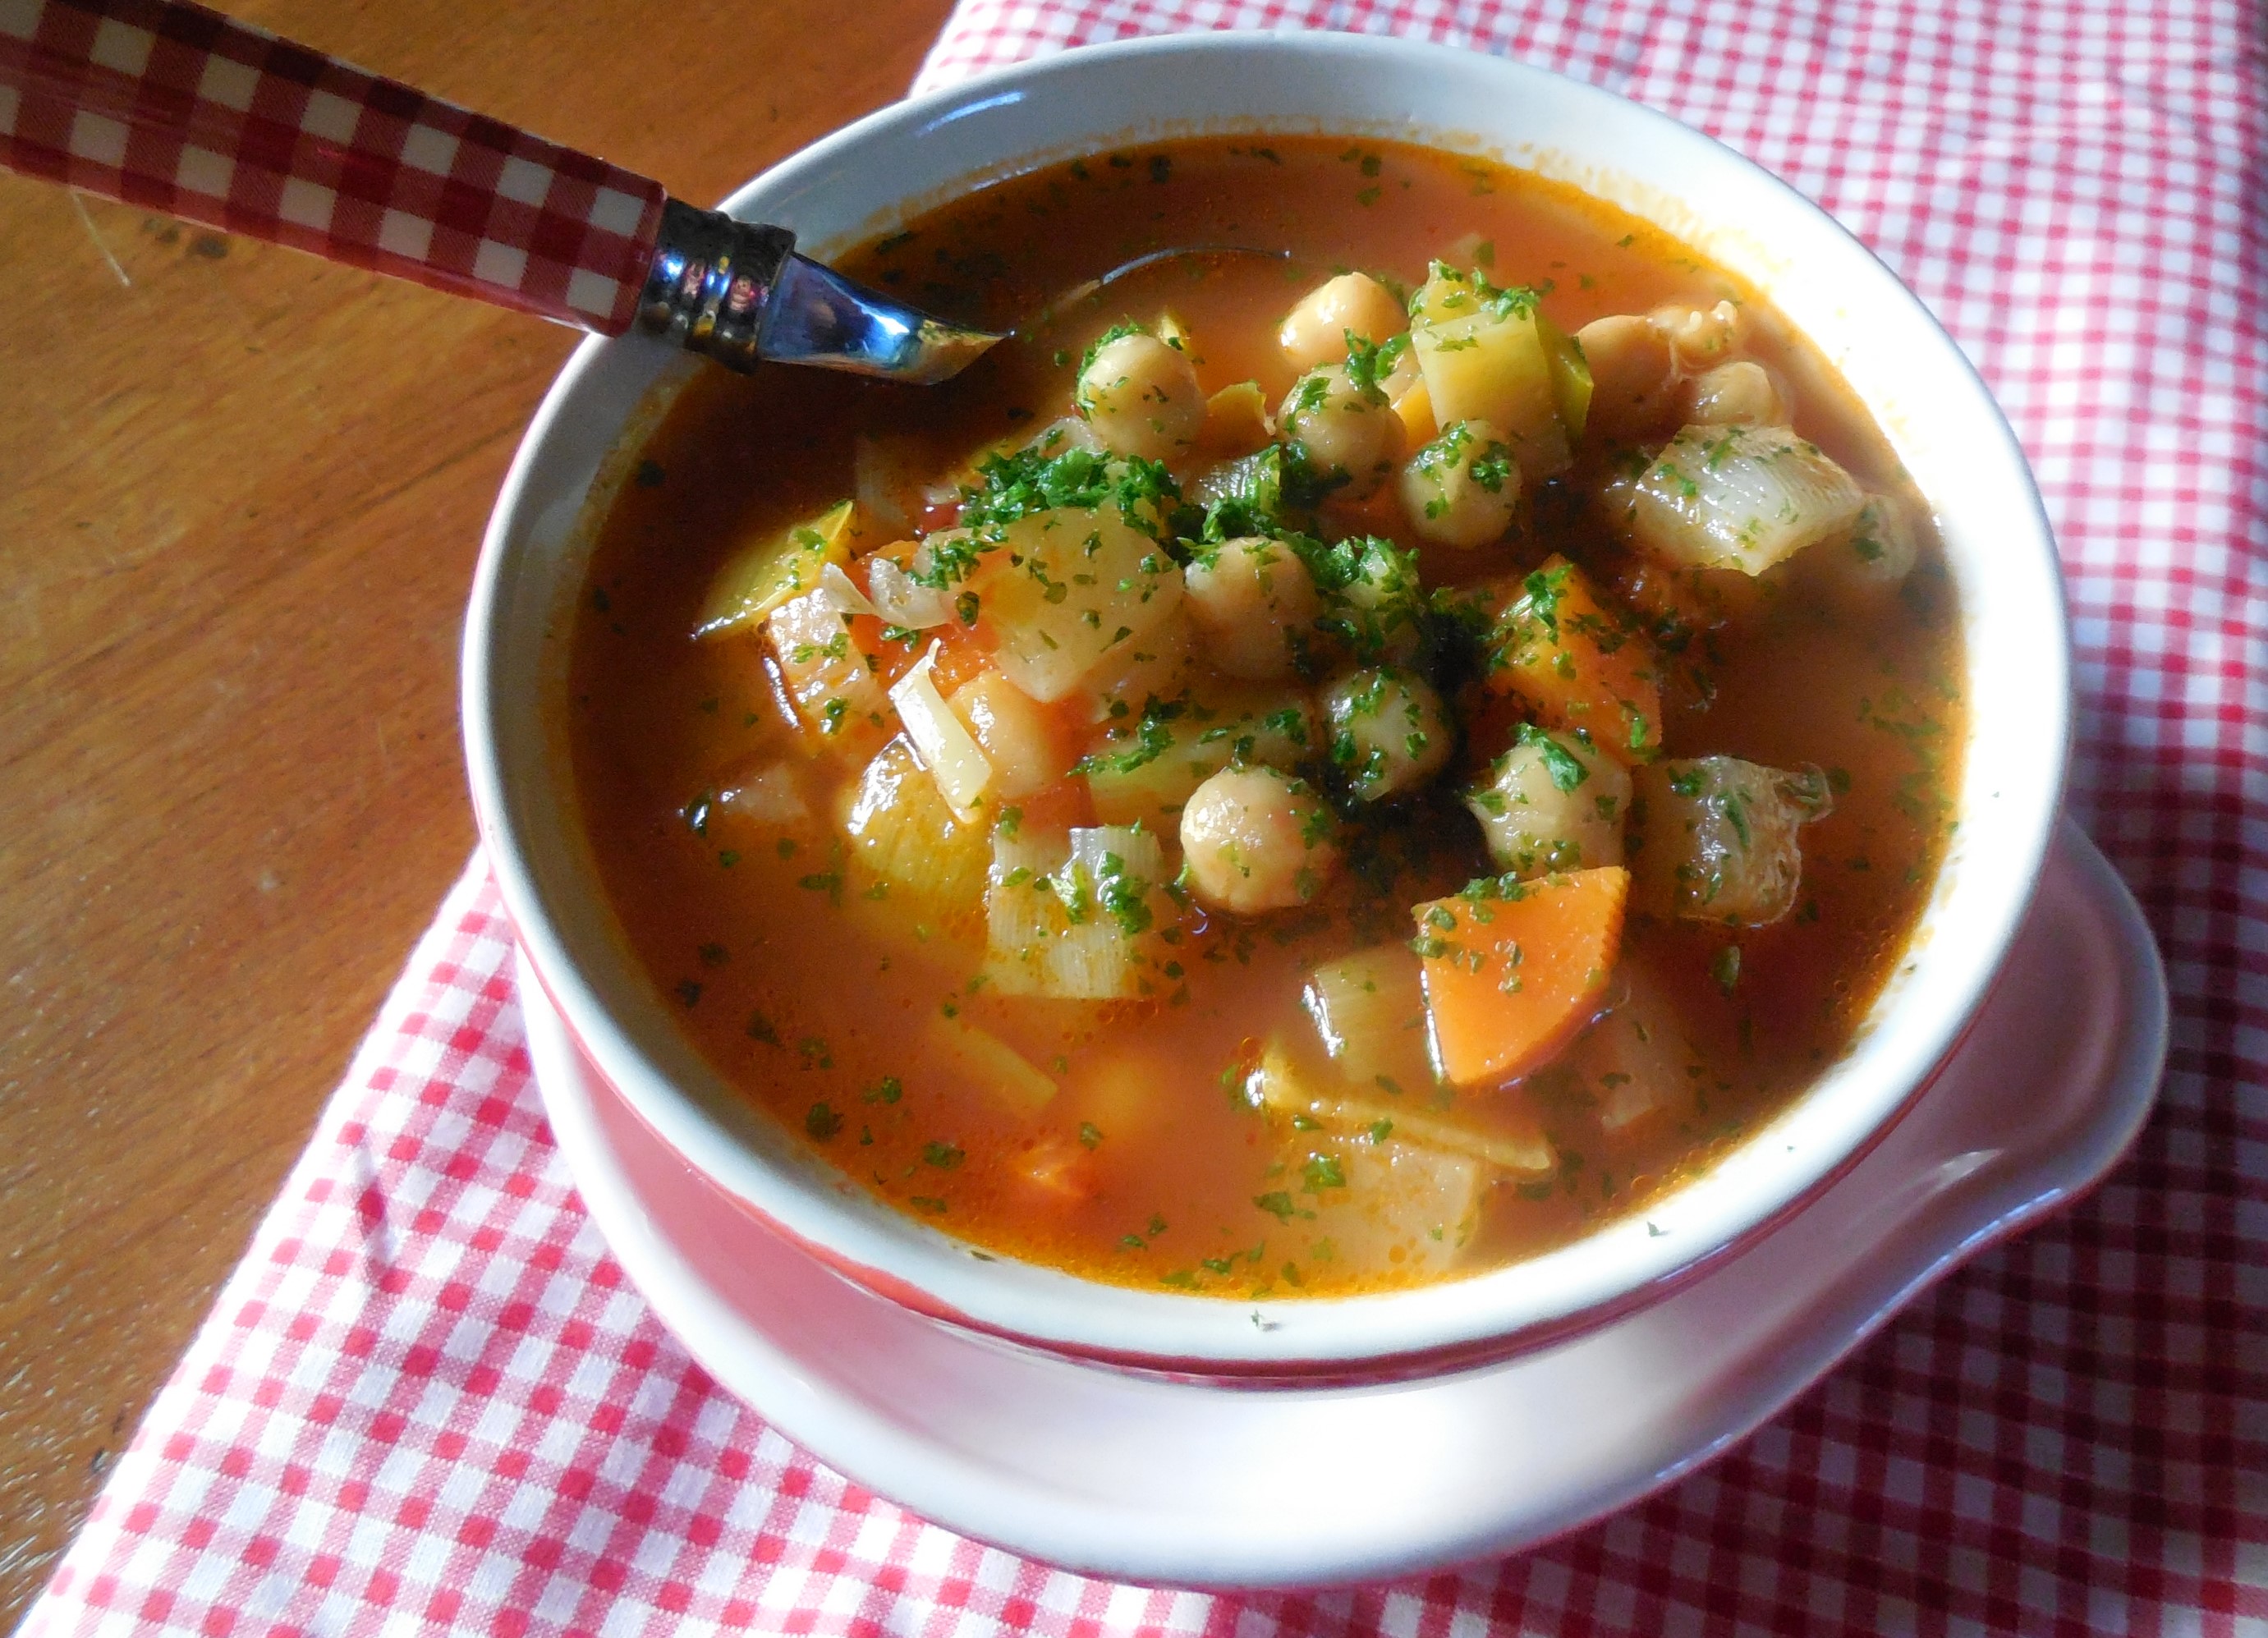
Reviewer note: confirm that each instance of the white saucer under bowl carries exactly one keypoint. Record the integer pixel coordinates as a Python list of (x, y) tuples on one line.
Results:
[(1149, 1479)]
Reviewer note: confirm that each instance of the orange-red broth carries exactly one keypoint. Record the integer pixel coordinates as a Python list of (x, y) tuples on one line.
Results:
[(1147, 1167)]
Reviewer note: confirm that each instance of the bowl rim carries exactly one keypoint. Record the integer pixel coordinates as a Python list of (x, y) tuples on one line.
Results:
[(1484, 1314)]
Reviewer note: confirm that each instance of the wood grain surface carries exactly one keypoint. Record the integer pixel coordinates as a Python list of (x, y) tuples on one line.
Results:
[(240, 496)]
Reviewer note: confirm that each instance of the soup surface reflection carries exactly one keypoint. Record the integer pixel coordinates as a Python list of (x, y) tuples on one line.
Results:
[(1299, 773)]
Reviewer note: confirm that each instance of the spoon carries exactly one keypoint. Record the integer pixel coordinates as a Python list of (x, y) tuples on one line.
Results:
[(169, 106)]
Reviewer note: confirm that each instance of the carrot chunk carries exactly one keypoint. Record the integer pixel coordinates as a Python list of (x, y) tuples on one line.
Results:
[(1513, 971), (1581, 664)]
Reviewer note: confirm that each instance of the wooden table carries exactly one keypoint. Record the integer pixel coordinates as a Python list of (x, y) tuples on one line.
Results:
[(240, 496)]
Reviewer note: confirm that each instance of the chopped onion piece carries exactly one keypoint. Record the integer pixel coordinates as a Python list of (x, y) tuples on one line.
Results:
[(1070, 433), (1050, 933), (989, 1063), (1104, 855), (842, 594), (1733, 497), (1369, 1009), (1719, 842), (1495, 1134), (901, 600), (942, 741), (769, 795), (903, 830)]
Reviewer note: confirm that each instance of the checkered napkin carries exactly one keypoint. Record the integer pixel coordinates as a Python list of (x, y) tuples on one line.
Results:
[(428, 1400)]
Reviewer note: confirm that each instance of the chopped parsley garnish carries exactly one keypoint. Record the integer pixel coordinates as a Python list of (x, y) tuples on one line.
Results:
[(1153, 739), (1019, 485), (1117, 331), (1565, 767), (1368, 364)]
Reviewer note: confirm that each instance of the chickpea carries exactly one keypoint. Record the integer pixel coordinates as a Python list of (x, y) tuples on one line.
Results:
[(1380, 612), (1699, 337), (1251, 598), (1462, 487), (1256, 839), (1342, 428), (1739, 393), (1015, 731), (1141, 397), (1631, 374), (1553, 803), (1315, 331), (1389, 731)]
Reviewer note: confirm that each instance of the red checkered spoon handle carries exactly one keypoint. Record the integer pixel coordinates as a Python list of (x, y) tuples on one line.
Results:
[(176, 107)]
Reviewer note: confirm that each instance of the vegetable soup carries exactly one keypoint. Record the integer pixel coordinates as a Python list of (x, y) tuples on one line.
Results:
[(1301, 772)]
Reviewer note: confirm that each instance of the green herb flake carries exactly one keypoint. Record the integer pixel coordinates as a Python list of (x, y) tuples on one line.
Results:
[(1565, 767)]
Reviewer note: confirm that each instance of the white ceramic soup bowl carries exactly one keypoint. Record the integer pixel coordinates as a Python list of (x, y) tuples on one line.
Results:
[(869, 178)]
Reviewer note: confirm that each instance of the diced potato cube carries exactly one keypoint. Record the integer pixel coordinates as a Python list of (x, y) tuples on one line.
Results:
[(1147, 773), (1637, 1060), (1069, 591), (1580, 663), (1156, 668), (1718, 839), (1490, 354), (1375, 1210)]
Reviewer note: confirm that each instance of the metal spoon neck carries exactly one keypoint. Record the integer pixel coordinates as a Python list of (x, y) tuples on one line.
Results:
[(711, 283), (737, 292)]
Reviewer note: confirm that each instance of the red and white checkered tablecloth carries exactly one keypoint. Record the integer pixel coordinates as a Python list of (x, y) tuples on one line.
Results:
[(428, 1400)]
